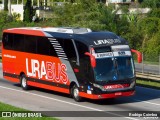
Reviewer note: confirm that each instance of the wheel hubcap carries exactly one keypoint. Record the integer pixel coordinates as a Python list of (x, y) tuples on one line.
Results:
[(76, 92), (24, 82)]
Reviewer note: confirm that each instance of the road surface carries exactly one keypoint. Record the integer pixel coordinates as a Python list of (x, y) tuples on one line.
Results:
[(41, 100)]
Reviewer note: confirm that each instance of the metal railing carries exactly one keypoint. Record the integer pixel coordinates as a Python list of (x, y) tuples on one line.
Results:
[(144, 76), (150, 64)]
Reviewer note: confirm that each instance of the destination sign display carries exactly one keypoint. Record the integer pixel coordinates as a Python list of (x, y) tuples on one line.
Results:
[(114, 51), (103, 55)]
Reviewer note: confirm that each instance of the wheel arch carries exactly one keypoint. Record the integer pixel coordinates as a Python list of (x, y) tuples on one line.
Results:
[(21, 73), (71, 86)]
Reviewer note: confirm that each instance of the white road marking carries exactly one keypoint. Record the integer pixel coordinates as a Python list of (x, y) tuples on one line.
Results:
[(146, 102), (95, 109)]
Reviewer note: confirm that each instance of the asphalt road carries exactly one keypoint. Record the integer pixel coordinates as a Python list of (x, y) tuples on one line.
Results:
[(42, 100)]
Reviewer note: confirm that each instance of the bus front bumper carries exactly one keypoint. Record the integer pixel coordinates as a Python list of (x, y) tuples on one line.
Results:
[(108, 95)]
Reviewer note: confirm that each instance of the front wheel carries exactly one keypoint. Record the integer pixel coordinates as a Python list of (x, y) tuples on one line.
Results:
[(75, 93), (24, 84)]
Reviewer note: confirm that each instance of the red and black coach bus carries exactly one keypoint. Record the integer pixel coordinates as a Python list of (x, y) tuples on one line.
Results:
[(76, 61)]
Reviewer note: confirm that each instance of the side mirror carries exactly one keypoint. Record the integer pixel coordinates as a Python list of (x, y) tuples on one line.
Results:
[(92, 59), (139, 55)]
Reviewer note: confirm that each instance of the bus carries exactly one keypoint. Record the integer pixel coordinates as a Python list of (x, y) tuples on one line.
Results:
[(75, 61)]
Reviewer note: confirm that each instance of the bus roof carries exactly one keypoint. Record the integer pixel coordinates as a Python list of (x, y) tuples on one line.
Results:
[(84, 35)]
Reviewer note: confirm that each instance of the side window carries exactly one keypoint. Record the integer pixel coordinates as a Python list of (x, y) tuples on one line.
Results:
[(30, 44), (8, 41), (82, 48), (43, 46), (69, 49), (19, 42)]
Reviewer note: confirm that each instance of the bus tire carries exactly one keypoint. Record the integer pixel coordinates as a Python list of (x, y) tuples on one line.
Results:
[(23, 81), (75, 93)]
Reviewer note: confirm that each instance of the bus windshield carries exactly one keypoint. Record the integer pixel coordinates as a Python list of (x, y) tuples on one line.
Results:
[(114, 68)]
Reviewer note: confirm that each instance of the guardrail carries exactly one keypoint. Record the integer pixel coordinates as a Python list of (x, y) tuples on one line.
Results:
[(155, 78)]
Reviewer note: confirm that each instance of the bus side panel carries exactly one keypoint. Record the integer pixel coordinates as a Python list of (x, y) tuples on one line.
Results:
[(11, 79), (13, 63), (44, 69), (8, 66)]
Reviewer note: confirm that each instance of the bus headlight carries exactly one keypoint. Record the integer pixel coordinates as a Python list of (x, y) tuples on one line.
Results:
[(99, 86), (132, 84)]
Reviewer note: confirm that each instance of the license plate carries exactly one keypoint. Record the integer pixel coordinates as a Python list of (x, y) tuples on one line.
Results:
[(118, 93)]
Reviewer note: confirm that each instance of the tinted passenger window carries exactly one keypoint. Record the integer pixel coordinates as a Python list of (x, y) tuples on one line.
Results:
[(43, 46), (82, 48), (52, 51), (8, 41), (19, 42), (30, 44), (68, 48)]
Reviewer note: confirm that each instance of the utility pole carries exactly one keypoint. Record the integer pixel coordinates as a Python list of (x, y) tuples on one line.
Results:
[(3, 3), (159, 64), (9, 7)]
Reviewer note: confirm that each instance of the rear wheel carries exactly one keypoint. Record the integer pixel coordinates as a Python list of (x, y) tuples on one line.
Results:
[(75, 93), (24, 84)]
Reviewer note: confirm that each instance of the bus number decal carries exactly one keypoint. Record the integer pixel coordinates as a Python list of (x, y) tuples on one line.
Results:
[(121, 53), (49, 70)]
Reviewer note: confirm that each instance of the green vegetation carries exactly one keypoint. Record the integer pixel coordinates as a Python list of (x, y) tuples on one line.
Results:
[(141, 30), (28, 11), (6, 5), (6, 107), (148, 83)]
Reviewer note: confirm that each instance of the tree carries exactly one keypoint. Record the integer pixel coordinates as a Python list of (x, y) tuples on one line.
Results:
[(28, 11), (154, 13), (5, 5), (85, 13), (151, 3)]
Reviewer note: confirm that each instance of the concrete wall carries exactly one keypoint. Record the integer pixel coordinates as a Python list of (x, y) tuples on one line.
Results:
[(118, 1), (135, 11), (18, 9), (1, 6)]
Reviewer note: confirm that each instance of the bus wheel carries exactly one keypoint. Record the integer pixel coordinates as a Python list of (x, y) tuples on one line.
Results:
[(24, 82), (75, 93)]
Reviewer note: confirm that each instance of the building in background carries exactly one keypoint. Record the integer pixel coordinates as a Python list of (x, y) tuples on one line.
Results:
[(44, 7), (16, 8)]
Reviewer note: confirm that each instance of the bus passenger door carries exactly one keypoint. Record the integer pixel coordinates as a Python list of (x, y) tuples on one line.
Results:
[(83, 63)]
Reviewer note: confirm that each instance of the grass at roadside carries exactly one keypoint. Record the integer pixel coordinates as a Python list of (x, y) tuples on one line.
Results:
[(8, 108), (151, 63), (148, 83)]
